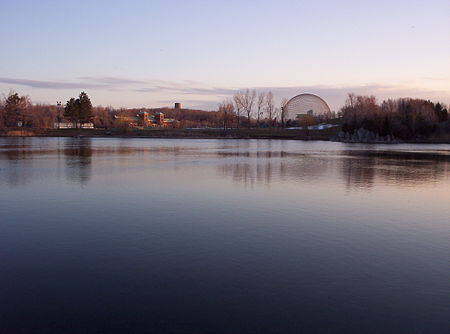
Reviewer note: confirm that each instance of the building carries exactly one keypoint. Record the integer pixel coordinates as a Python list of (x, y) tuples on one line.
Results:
[(143, 119), (302, 116), (72, 125)]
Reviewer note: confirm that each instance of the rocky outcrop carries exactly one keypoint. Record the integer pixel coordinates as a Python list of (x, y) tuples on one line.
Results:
[(365, 136)]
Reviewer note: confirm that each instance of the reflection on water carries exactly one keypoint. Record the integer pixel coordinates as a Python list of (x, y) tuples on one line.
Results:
[(246, 162), (78, 157), (358, 169), (16, 158), (364, 170), (222, 236), (267, 167)]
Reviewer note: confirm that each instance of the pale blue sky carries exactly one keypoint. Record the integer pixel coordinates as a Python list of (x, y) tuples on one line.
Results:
[(153, 53)]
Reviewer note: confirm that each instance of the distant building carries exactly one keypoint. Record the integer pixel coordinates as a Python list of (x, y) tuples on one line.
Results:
[(177, 105), (72, 125), (302, 116), (143, 119)]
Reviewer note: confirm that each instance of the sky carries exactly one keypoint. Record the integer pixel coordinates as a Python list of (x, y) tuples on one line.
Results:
[(154, 53)]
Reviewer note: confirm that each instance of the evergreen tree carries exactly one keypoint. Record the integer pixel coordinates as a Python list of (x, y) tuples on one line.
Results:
[(79, 110), (71, 111), (15, 107), (441, 112), (85, 108)]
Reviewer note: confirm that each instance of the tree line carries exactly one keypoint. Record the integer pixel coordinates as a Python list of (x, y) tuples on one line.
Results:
[(251, 109), (18, 111), (245, 109), (403, 118)]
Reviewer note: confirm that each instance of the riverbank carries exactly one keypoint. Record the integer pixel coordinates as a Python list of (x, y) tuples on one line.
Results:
[(206, 133), (330, 134)]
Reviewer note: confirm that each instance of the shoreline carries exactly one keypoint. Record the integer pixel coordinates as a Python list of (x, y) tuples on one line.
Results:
[(200, 133), (205, 133)]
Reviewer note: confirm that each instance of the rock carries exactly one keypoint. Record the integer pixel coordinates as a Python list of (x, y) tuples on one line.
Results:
[(365, 136)]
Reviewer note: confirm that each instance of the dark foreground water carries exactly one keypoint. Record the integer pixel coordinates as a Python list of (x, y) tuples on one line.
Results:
[(223, 236)]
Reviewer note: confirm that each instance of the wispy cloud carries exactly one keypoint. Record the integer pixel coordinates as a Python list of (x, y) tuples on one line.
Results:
[(108, 83), (49, 84), (187, 90), (81, 83), (112, 81), (334, 95), (197, 94)]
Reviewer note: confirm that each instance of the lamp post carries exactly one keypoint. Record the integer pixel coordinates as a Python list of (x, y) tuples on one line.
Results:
[(58, 110)]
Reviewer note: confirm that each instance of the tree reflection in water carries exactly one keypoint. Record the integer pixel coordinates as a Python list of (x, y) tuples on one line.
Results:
[(17, 154), (362, 169), (78, 158), (246, 162), (356, 169)]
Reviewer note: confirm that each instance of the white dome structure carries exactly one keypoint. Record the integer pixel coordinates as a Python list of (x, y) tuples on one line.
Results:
[(305, 104)]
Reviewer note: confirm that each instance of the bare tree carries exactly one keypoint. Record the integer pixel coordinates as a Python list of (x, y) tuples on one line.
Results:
[(245, 101), (283, 110), (103, 117), (226, 109), (351, 99), (40, 116), (276, 116), (2, 112), (270, 107), (260, 103), (238, 98), (249, 101)]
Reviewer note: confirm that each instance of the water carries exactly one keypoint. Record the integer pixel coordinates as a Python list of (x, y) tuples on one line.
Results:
[(223, 236)]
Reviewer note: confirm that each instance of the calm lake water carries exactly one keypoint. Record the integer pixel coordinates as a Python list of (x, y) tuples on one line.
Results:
[(223, 236)]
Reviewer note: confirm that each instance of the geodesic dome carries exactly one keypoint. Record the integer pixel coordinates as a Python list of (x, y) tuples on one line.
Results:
[(306, 104)]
